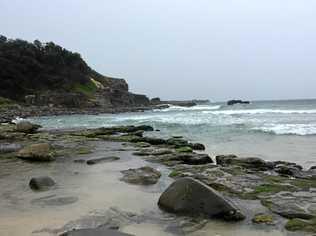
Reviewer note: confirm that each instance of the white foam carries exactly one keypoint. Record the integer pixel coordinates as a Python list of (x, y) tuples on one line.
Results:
[(17, 120), (293, 129), (260, 111), (194, 108)]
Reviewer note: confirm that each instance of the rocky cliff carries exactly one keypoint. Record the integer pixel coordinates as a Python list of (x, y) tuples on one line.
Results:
[(46, 74)]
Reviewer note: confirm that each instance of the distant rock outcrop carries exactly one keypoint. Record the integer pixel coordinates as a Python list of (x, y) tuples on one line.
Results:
[(45, 74), (233, 102), (184, 103)]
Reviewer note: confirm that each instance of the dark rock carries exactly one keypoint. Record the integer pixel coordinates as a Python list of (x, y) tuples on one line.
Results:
[(144, 175), (312, 168), (286, 163), (225, 160), (152, 141), (194, 158), (41, 183), (177, 142), (121, 129), (197, 146), (37, 152), (102, 159), (247, 162), (288, 170), (27, 127), (190, 196), (94, 232), (155, 101), (188, 103), (233, 102)]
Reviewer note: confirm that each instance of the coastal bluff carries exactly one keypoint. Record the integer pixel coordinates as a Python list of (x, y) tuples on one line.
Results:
[(46, 74)]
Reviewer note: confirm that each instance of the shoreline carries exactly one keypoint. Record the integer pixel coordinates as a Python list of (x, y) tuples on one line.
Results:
[(8, 114), (246, 182)]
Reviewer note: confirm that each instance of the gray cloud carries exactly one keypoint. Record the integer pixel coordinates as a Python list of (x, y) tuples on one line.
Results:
[(182, 49)]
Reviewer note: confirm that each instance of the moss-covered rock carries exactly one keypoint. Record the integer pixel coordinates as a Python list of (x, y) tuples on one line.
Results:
[(301, 225), (263, 219), (184, 149)]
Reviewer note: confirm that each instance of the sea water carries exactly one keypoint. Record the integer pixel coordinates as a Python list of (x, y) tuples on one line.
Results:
[(272, 130)]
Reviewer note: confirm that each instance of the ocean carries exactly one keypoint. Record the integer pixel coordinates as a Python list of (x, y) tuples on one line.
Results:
[(272, 130)]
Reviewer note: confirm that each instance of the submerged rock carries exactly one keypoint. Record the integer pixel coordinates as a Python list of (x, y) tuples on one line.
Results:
[(154, 152), (102, 159), (94, 232), (27, 127), (52, 200), (263, 219), (41, 183), (145, 175), (120, 129), (37, 152), (190, 196), (290, 206), (301, 225), (9, 147)]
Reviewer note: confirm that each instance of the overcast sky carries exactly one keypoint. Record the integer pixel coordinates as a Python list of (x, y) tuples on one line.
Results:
[(182, 49)]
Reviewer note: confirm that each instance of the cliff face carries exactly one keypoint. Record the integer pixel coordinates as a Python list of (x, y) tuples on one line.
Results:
[(47, 74)]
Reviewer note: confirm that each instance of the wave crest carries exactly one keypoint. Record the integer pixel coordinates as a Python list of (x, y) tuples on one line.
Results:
[(288, 129), (260, 111), (194, 108)]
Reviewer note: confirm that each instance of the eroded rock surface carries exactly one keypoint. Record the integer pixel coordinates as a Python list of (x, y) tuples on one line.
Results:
[(145, 176), (37, 152)]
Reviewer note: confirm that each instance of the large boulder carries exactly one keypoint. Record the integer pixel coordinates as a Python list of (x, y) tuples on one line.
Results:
[(41, 183), (190, 196), (144, 175), (37, 152), (27, 127)]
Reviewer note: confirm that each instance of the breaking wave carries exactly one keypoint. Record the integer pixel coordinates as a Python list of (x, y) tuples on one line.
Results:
[(194, 108), (288, 129), (261, 111)]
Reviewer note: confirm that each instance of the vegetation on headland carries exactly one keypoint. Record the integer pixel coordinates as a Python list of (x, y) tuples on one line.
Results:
[(47, 74)]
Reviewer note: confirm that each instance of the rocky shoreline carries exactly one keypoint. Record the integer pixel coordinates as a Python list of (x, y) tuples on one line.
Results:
[(224, 188), (7, 114)]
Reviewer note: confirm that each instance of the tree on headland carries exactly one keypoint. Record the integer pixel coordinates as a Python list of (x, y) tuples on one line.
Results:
[(46, 66)]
